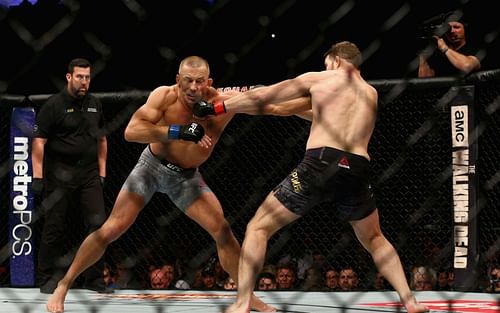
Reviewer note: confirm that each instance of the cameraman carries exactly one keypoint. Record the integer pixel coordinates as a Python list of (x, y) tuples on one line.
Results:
[(452, 56)]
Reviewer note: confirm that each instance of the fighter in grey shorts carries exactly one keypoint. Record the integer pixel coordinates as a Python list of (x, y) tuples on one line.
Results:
[(150, 175), (328, 174)]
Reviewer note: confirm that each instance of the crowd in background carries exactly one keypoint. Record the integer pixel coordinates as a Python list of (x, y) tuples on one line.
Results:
[(313, 272)]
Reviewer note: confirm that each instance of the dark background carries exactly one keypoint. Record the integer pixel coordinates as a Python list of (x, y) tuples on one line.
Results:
[(137, 44)]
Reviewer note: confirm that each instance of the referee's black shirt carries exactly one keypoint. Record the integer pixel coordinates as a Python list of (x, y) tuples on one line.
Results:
[(72, 128)]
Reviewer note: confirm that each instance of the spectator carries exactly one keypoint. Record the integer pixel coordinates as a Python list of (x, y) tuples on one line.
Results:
[(180, 281), (208, 280), (331, 279), (319, 260), (451, 55), (197, 282), (301, 261), (286, 276), (423, 278), (181, 275), (69, 154), (348, 279), (313, 280), (451, 280), (126, 278), (380, 283), (165, 277), (159, 279), (109, 277), (266, 281), (445, 279), (494, 279)]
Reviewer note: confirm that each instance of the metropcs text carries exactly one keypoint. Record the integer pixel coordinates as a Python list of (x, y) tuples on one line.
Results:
[(21, 232)]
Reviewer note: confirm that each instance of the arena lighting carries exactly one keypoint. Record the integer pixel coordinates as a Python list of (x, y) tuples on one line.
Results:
[(13, 3)]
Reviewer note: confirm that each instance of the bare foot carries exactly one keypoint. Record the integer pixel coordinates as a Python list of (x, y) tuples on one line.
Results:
[(255, 303), (260, 306), (416, 307), (55, 304), (236, 308)]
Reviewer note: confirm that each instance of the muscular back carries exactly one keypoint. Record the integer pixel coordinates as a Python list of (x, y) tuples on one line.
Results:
[(343, 105), (344, 109)]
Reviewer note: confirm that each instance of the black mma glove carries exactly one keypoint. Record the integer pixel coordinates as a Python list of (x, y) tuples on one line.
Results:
[(191, 132), (37, 186), (203, 108), (102, 179)]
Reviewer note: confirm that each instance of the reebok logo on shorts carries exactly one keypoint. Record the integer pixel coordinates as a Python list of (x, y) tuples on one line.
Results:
[(344, 163)]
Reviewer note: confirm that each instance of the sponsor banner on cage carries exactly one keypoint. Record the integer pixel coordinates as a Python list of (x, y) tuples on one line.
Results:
[(237, 88), (464, 157), (21, 243)]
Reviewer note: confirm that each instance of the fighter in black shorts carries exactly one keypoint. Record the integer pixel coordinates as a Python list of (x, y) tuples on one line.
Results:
[(329, 174), (343, 114)]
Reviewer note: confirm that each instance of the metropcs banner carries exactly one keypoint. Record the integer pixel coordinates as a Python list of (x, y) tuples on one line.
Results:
[(464, 157), (21, 244)]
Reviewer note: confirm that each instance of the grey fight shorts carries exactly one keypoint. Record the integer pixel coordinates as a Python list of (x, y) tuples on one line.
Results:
[(329, 175), (150, 175)]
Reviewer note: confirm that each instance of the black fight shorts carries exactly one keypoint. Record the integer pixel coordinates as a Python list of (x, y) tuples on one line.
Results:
[(329, 175)]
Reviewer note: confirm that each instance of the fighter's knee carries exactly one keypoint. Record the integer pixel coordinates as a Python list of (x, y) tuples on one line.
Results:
[(224, 227), (220, 229), (253, 227), (256, 224), (109, 231)]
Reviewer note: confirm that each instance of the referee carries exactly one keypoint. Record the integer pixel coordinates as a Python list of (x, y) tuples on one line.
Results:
[(69, 166)]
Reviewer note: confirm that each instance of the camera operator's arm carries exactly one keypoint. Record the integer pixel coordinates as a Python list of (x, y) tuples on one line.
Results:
[(424, 70), (465, 63)]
